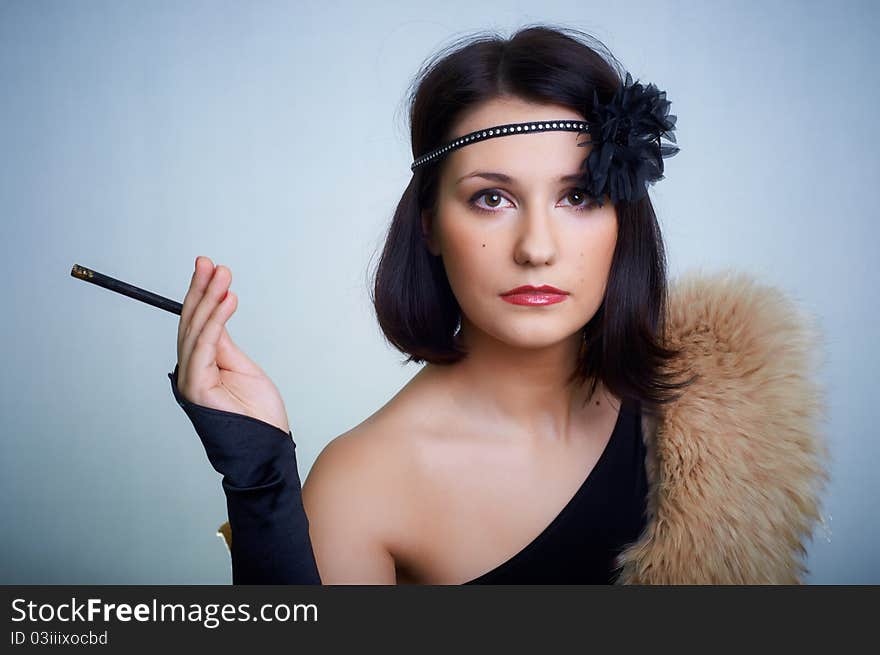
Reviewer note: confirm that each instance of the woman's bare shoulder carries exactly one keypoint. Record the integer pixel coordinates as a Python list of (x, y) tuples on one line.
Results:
[(350, 507), (369, 474), (367, 458), (396, 426)]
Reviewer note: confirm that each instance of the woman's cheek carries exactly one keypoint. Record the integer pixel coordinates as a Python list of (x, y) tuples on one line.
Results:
[(468, 253), (467, 281), (471, 279)]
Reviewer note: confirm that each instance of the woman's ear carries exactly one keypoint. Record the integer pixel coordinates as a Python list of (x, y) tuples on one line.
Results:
[(428, 232)]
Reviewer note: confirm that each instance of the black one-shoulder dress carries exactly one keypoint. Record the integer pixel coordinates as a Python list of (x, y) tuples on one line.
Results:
[(607, 513)]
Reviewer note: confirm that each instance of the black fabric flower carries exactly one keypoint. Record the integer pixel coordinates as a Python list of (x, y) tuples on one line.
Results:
[(626, 134)]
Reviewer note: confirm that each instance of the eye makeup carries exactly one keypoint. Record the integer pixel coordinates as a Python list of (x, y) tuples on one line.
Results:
[(583, 207)]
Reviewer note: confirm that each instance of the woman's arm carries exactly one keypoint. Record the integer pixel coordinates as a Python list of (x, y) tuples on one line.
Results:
[(351, 495), (270, 529)]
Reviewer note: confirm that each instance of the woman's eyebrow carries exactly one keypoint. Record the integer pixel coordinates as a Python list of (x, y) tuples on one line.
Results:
[(506, 179)]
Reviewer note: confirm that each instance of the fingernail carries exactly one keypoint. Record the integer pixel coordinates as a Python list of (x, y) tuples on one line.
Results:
[(197, 262)]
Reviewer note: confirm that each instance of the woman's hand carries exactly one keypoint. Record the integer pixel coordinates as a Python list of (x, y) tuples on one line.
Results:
[(212, 371)]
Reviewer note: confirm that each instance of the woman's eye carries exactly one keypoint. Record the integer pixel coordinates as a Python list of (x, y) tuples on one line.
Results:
[(584, 202), (581, 201), (493, 197)]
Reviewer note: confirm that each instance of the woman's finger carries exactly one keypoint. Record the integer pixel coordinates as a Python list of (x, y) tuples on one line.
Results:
[(231, 357), (212, 297), (204, 354), (202, 272)]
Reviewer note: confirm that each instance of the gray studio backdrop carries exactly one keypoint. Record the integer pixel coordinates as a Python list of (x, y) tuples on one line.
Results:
[(271, 136)]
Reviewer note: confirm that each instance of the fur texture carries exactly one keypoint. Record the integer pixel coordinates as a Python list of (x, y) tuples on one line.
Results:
[(737, 465)]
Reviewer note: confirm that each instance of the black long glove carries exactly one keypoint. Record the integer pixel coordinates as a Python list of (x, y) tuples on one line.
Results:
[(270, 529)]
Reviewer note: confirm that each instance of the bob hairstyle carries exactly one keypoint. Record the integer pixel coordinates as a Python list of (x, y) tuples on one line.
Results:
[(623, 343)]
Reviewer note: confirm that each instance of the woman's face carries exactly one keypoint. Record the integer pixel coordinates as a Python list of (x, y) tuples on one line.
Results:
[(527, 228)]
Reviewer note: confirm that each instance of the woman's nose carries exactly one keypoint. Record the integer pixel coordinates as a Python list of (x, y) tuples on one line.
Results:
[(536, 240)]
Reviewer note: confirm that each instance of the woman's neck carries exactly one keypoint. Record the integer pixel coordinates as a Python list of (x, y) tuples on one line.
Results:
[(520, 391)]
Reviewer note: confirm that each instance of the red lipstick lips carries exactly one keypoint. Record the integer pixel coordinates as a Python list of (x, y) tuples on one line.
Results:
[(531, 295)]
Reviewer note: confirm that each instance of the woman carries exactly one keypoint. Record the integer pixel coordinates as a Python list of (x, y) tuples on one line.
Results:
[(527, 449)]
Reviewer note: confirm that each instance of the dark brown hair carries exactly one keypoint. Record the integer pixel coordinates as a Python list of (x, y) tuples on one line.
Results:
[(415, 306)]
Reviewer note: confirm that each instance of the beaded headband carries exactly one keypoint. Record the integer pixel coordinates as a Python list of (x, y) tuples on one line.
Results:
[(626, 134)]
